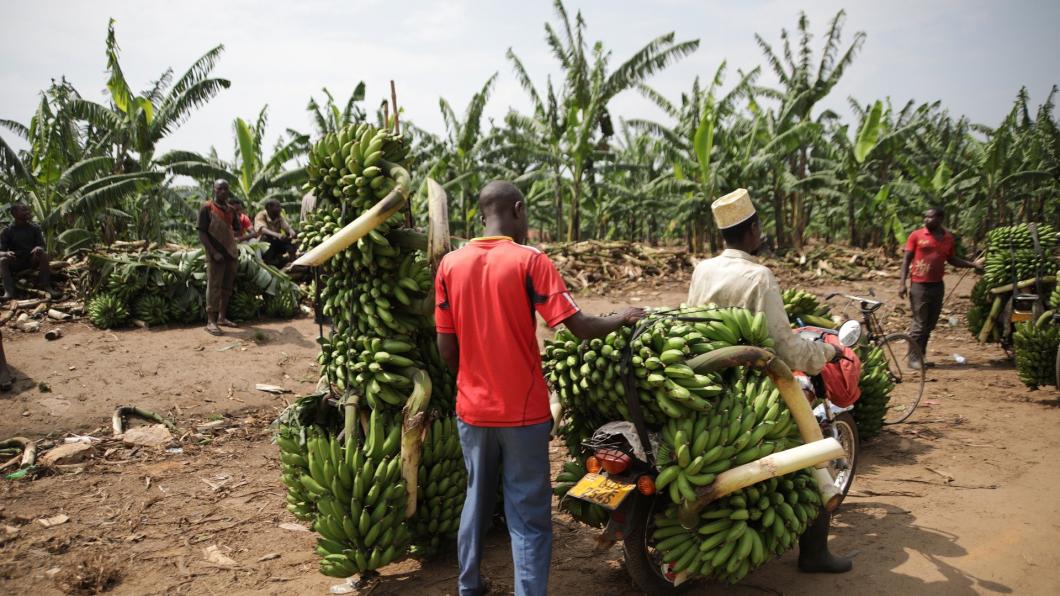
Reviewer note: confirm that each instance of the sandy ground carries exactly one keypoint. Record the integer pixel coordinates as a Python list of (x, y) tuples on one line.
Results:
[(960, 500)]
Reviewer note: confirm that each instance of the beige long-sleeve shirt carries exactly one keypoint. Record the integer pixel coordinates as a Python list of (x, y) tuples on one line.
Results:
[(733, 278)]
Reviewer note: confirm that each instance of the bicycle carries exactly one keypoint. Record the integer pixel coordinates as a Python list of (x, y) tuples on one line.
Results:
[(898, 349)]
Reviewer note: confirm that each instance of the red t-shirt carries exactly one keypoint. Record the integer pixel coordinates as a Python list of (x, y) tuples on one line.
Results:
[(929, 255), (487, 294)]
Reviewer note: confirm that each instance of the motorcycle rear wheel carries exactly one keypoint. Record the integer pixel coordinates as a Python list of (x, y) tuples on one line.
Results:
[(642, 560)]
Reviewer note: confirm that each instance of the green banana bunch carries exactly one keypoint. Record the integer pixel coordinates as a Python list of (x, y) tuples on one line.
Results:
[(1011, 253), (107, 311), (283, 304), (443, 484), (800, 304), (244, 305), (152, 309), (589, 377), (740, 532), (1035, 344), (876, 386), (1054, 298), (748, 422), (587, 513)]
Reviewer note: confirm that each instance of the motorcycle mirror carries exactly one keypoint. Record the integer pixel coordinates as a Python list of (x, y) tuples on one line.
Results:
[(850, 333)]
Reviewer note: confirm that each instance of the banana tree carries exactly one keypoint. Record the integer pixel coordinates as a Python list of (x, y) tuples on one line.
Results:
[(459, 163), (803, 87), (577, 116), (251, 175), (70, 187)]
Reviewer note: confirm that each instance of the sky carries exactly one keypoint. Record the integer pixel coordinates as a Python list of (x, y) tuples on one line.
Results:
[(973, 55)]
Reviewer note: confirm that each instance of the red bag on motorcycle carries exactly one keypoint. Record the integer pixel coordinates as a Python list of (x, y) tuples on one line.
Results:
[(841, 378)]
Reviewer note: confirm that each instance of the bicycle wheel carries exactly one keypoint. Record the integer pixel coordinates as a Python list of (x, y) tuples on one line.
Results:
[(899, 349)]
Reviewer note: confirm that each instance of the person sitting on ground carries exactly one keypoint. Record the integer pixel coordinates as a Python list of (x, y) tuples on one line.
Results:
[(22, 248), (272, 227), (218, 227), (733, 278), (246, 228)]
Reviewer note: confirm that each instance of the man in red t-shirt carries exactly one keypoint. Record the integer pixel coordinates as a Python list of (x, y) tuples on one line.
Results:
[(926, 253), (488, 294)]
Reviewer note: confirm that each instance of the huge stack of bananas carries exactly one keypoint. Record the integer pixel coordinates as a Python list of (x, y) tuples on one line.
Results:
[(876, 385), (376, 295), (738, 533), (1035, 343), (803, 306), (160, 286), (705, 424), (1011, 255)]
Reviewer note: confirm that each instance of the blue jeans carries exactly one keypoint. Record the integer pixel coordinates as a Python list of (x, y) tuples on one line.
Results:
[(520, 455)]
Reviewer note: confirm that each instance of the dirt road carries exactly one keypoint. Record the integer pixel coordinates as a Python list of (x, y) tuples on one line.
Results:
[(961, 500)]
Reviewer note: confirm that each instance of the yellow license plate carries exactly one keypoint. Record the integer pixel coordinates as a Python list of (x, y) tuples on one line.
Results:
[(601, 490)]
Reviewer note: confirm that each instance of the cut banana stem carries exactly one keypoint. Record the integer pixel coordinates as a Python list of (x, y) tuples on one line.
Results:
[(988, 325), (1023, 284), (438, 241), (29, 452), (359, 228), (779, 372), (770, 466), (412, 434), (122, 413)]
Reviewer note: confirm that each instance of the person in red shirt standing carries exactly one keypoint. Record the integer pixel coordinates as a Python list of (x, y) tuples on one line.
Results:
[(488, 294), (926, 253)]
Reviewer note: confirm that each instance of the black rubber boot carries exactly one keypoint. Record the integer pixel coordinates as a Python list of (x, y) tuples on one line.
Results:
[(813, 549)]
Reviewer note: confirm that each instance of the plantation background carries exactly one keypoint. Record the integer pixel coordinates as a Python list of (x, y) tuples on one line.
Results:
[(94, 172)]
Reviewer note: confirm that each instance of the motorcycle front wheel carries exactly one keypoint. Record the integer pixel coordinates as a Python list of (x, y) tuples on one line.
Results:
[(845, 430)]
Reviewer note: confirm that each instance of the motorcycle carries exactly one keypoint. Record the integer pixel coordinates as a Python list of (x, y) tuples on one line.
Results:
[(622, 470)]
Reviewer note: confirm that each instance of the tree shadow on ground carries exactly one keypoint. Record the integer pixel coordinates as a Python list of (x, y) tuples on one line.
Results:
[(887, 536)]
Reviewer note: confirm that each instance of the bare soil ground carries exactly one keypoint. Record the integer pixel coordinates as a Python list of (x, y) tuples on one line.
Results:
[(960, 500)]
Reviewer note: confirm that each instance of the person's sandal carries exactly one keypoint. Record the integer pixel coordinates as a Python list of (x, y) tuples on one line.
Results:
[(227, 323), (214, 330)]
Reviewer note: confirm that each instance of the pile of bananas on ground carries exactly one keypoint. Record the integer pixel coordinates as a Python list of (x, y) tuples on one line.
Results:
[(169, 286), (706, 424), (802, 305), (379, 354), (1035, 344)]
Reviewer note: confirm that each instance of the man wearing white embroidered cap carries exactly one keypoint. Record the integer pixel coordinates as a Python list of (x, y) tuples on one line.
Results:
[(733, 278)]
